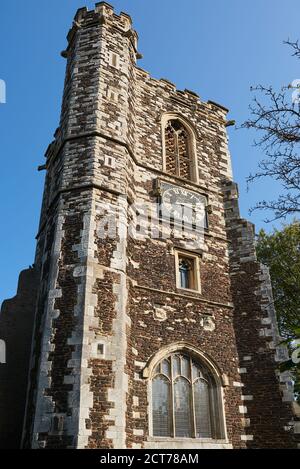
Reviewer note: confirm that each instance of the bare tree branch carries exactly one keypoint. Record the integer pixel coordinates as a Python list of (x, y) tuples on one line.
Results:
[(277, 120)]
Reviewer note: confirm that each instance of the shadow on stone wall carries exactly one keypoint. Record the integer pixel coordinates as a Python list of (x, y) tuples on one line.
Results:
[(16, 324)]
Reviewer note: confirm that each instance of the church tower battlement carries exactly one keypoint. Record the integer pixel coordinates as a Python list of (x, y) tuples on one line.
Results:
[(154, 324)]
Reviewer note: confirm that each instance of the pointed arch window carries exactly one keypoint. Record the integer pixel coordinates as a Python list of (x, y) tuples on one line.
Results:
[(178, 152), (185, 402)]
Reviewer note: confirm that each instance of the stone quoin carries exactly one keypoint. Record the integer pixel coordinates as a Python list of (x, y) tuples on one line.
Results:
[(136, 340)]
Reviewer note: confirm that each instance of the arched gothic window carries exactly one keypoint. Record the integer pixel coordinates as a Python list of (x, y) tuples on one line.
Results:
[(185, 400), (178, 159)]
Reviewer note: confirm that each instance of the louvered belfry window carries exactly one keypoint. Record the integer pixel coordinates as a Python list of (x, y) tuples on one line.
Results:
[(184, 399), (177, 150)]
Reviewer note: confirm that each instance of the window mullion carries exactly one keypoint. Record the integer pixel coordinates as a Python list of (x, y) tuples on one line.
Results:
[(172, 398), (193, 401), (212, 411)]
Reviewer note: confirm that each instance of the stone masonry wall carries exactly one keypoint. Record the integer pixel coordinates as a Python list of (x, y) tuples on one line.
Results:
[(16, 325), (268, 412), (106, 306)]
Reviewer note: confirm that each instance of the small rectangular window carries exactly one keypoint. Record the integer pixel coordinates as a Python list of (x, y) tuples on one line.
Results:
[(109, 161), (187, 271), (112, 95), (114, 59), (57, 424)]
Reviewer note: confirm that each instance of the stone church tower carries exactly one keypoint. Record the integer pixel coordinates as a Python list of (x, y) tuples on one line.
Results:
[(153, 321)]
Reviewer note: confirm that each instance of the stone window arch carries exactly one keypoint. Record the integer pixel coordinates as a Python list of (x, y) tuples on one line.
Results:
[(186, 396), (179, 147)]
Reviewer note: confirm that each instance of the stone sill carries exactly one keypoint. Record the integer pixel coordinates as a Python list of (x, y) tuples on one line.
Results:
[(188, 290), (186, 443)]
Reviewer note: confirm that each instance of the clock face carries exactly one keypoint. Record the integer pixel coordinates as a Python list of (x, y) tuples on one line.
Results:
[(183, 205)]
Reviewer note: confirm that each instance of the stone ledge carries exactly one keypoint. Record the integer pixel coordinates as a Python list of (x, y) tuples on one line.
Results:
[(186, 443)]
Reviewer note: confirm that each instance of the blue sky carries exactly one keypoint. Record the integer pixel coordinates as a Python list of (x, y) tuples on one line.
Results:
[(216, 48)]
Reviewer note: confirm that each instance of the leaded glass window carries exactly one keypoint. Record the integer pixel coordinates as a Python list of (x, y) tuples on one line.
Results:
[(184, 399)]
